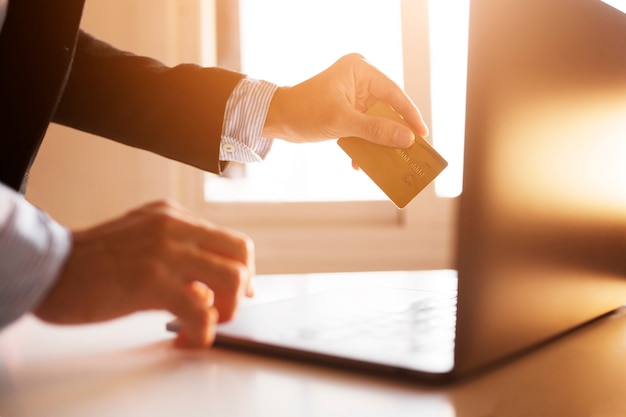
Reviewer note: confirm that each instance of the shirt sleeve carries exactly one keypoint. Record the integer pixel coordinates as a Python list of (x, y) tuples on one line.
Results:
[(244, 117), (33, 249)]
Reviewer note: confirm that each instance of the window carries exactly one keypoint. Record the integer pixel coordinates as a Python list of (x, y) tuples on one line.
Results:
[(618, 4), (286, 41), (449, 27), (302, 223)]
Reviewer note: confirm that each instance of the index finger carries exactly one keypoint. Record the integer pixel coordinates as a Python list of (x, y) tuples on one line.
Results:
[(383, 88)]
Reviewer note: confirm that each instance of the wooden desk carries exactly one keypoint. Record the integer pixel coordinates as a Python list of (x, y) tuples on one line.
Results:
[(129, 368)]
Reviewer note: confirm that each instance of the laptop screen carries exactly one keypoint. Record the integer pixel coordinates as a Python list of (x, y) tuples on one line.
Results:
[(542, 243)]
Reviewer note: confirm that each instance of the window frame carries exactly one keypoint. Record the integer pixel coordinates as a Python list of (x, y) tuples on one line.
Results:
[(305, 237)]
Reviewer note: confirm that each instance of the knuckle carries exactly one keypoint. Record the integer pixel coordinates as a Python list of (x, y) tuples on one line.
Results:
[(245, 244), (163, 221), (156, 207), (242, 244), (352, 58), (163, 205), (235, 275)]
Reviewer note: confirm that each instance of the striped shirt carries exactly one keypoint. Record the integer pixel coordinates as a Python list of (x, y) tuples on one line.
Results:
[(244, 118), (33, 247)]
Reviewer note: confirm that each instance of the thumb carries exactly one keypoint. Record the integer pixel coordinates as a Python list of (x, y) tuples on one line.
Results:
[(381, 130)]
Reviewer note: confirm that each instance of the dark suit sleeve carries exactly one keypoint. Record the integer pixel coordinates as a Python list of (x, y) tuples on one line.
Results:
[(176, 112)]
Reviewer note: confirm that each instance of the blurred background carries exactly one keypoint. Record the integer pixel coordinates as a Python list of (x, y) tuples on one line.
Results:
[(305, 207)]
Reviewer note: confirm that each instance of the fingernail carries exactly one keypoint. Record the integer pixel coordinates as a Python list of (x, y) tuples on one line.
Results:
[(250, 289), (403, 138)]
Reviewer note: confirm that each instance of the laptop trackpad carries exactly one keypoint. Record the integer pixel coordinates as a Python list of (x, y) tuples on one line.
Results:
[(396, 327)]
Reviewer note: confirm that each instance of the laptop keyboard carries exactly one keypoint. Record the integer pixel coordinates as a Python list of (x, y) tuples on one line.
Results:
[(426, 323)]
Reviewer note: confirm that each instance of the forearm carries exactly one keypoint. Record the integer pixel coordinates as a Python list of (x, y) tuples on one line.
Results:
[(176, 112)]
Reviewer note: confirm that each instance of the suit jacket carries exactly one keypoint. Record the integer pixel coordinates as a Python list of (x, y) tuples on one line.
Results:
[(51, 71)]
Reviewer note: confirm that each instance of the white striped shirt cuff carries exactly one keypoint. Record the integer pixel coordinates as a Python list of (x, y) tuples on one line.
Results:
[(244, 117), (33, 249)]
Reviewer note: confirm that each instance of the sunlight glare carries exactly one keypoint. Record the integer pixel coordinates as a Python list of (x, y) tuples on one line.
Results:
[(449, 27)]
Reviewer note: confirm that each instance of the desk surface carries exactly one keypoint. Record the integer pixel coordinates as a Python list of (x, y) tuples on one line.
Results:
[(128, 367)]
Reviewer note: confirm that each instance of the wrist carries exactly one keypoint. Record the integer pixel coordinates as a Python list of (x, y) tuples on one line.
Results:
[(275, 124)]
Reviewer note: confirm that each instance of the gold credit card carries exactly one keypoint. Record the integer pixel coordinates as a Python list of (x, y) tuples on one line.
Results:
[(400, 173)]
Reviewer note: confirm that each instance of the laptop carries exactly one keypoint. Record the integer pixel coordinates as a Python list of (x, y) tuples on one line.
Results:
[(541, 239)]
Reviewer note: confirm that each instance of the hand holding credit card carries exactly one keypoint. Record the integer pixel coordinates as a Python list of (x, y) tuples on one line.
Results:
[(400, 173)]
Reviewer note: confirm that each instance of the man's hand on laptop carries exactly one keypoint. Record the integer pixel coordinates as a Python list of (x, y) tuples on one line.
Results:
[(159, 256)]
